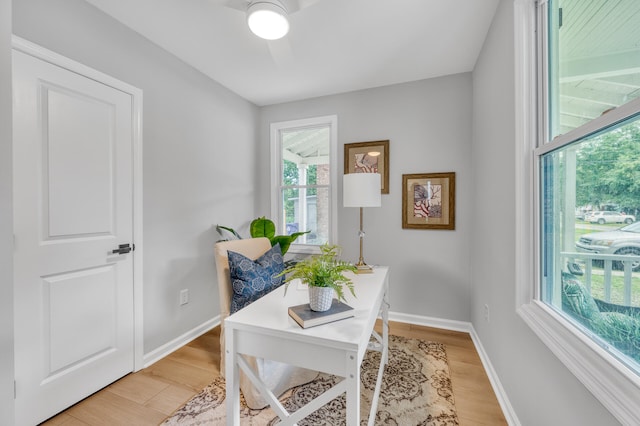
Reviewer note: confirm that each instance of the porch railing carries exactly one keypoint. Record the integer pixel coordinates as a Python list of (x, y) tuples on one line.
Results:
[(608, 260)]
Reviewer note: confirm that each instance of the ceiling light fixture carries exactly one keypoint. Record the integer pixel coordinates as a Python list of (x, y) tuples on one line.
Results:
[(268, 19)]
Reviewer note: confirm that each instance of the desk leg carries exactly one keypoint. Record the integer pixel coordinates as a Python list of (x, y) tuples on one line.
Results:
[(233, 379), (385, 324), (353, 389)]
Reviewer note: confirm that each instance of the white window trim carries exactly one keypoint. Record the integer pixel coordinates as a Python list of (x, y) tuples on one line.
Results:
[(276, 173), (610, 381)]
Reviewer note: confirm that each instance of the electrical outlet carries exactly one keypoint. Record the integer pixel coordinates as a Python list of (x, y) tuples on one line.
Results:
[(486, 313), (184, 296)]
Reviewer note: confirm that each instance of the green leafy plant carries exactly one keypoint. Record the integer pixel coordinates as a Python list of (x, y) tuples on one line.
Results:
[(323, 270), (616, 324), (576, 299), (233, 232), (263, 227), (621, 330)]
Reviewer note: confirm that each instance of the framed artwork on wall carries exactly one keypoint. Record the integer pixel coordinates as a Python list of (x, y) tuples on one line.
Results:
[(428, 201), (368, 157)]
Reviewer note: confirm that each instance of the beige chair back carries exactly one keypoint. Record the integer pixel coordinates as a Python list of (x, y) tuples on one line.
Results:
[(278, 376), (252, 248)]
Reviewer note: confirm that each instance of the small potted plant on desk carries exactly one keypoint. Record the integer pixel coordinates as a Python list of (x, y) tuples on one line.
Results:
[(323, 274)]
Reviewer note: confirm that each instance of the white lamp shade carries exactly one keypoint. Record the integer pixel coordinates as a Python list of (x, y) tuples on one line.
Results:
[(361, 190), (268, 19)]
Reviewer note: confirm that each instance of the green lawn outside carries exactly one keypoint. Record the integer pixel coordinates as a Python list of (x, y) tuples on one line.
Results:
[(617, 287)]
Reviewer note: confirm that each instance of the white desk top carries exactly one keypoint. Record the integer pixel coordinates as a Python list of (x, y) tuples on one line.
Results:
[(269, 315)]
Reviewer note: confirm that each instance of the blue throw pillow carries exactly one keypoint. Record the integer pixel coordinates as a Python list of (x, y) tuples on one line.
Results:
[(252, 279)]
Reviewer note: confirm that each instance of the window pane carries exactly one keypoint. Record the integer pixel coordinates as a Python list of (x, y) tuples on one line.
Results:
[(306, 171), (307, 212), (594, 60), (304, 148), (290, 203), (289, 173), (312, 174), (591, 236)]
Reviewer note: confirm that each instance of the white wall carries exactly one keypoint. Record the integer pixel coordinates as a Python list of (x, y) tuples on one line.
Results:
[(199, 169), (428, 125), (6, 223), (541, 389)]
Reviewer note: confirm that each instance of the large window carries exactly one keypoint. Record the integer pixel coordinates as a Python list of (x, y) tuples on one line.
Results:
[(584, 131), (590, 233), (303, 180), (590, 179)]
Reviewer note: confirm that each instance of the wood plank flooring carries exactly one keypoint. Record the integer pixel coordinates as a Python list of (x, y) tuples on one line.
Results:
[(151, 395)]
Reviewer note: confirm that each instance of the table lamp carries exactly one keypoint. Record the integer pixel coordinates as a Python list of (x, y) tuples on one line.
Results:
[(361, 190)]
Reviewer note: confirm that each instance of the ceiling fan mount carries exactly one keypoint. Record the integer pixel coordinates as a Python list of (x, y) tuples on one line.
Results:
[(268, 19), (291, 6)]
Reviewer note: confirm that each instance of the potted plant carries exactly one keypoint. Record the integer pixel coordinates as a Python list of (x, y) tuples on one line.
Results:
[(263, 227), (323, 274)]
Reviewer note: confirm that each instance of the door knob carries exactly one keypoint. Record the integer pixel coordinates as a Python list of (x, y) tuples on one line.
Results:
[(122, 249)]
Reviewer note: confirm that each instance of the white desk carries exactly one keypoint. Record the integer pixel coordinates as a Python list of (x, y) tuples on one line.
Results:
[(264, 329)]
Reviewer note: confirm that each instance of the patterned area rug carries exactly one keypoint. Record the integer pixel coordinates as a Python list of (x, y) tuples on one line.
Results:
[(416, 390)]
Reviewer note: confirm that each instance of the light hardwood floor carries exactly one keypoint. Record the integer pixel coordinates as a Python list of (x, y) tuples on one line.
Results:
[(150, 395)]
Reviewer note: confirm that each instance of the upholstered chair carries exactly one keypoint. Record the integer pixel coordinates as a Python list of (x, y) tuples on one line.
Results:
[(277, 376)]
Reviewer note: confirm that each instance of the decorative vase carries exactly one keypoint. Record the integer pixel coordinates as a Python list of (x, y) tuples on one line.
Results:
[(320, 298)]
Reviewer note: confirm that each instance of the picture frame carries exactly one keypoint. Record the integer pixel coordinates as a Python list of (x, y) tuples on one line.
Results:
[(428, 201), (358, 159)]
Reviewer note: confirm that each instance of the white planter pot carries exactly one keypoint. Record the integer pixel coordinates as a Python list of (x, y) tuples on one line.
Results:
[(320, 298)]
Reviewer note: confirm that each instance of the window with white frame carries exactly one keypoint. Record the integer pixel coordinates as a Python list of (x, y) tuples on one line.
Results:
[(585, 176), (303, 180)]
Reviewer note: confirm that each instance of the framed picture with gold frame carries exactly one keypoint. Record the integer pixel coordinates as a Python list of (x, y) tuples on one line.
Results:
[(428, 201), (368, 157)]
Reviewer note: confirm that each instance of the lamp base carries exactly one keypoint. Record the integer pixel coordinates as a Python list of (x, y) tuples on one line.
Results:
[(363, 268)]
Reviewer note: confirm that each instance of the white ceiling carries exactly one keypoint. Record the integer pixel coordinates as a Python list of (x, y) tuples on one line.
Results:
[(334, 46)]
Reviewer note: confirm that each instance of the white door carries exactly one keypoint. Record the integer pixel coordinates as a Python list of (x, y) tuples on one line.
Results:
[(74, 313)]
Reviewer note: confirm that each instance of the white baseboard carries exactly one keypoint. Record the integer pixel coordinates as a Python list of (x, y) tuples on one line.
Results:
[(164, 350), (431, 322), (503, 400), (466, 327)]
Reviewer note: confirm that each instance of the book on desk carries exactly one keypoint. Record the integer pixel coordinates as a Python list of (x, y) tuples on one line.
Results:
[(305, 317)]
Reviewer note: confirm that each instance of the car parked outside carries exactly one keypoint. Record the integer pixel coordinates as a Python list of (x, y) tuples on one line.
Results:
[(625, 240), (611, 217)]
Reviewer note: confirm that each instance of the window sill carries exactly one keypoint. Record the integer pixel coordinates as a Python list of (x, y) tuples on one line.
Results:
[(303, 249), (610, 381)]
